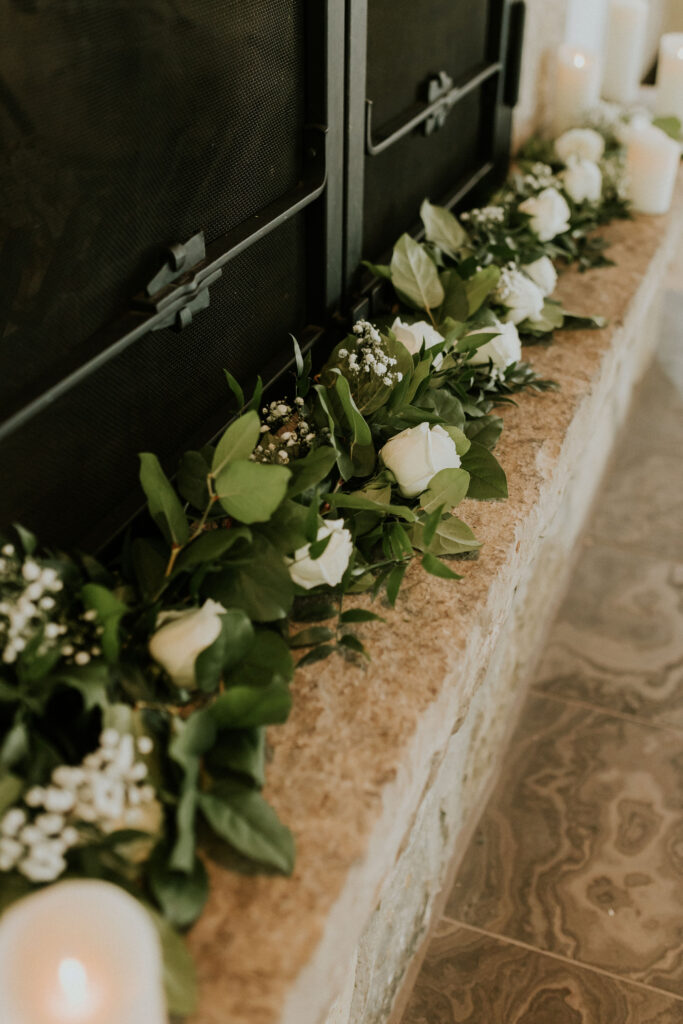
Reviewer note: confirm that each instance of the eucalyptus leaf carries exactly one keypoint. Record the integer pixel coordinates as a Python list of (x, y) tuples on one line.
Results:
[(487, 477), (480, 286), (228, 649), (251, 491), (310, 470), (259, 583), (211, 547), (447, 488), (164, 504), (486, 430), (193, 470), (442, 228), (414, 275), (455, 304), (245, 707), (268, 660), (237, 442)]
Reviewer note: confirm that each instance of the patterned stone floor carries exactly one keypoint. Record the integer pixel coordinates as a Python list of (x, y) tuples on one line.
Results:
[(568, 905)]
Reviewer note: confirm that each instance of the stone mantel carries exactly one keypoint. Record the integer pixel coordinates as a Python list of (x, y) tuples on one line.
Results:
[(381, 768)]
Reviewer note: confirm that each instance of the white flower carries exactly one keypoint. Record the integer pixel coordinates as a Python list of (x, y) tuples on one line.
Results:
[(542, 272), (549, 214), (412, 336), (518, 293), (182, 636), (12, 821), (417, 454), (331, 565), (582, 180), (581, 143), (503, 350)]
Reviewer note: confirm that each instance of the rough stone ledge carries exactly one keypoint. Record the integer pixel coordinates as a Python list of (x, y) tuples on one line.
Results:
[(355, 770)]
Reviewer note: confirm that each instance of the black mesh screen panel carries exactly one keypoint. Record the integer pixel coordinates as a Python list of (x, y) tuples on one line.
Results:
[(407, 44), (76, 465), (128, 125)]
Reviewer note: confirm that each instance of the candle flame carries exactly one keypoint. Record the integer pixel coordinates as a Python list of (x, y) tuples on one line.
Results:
[(73, 981), (579, 60)]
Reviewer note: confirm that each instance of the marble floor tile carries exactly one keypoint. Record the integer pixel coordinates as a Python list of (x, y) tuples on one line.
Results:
[(580, 850), (469, 978), (617, 641)]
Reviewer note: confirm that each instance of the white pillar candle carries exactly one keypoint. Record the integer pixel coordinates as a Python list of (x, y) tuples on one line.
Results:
[(577, 86), (652, 160), (624, 51), (670, 76), (80, 952)]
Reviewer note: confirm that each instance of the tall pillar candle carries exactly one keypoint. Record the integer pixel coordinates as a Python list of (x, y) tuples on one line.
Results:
[(80, 952), (652, 161), (577, 86), (624, 50), (670, 76)]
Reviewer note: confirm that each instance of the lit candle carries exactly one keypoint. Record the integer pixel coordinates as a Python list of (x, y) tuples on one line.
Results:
[(577, 86), (624, 52), (670, 76), (80, 952), (652, 160)]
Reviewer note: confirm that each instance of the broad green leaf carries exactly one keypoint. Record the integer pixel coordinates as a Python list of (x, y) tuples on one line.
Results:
[(11, 787), (241, 752), (192, 738), (362, 450), (181, 895), (251, 491), (228, 649), (242, 817), (486, 430), (268, 661), (437, 568), (471, 342), (310, 470), (480, 286), (164, 504), (551, 319), (245, 707), (238, 441), (180, 981), (670, 125), (356, 500), (149, 565), (193, 470), (211, 546), (414, 275), (455, 304), (487, 477), (260, 584), (452, 537), (447, 488), (90, 681), (110, 610), (442, 228), (286, 529)]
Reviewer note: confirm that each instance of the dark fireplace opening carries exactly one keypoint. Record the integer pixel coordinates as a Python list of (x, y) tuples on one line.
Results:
[(185, 183)]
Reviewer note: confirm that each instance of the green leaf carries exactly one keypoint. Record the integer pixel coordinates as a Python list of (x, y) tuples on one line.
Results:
[(576, 322), (357, 500), (241, 752), (462, 441), (251, 491), (260, 584), (268, 660), (180, 981), (29, 541), (149, 565), (378, 269), (310, 470), (551, 319), (455, 304), (486, 430), (487, 477), (180, 895), (359, 615), (227, 650), (245, 707), (430, 524), (447, 488), (362, 450), (318, 653), (670, 125), (443, 229), (414, 275), (394, 581), (287, 527), (311, 636), (164, 504), (90, 681), (211, 547), (192, 738), (110, 610), (242, 817), (480, 286), (353, 644), (238, 441), (11, 787), (234, 386), (452, 537), (193, 470), (437, 568)]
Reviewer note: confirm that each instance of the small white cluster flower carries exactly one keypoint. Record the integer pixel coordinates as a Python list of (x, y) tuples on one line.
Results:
[(370, 359), (107, 791), (29, 604), (285, 431), (485, 215)]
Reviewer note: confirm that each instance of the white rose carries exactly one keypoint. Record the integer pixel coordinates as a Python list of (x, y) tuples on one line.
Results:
[(549, 214), (417, 454), (331, 565), (182, 636), (523, 299), (581, 143), (412, 336), (503, 350), (582, 181), (542, 272)]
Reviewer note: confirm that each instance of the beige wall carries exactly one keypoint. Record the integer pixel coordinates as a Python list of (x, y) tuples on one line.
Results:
[(545, 28), (674, 16)]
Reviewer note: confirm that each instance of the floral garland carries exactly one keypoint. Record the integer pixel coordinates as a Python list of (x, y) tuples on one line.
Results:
[(134, 696)]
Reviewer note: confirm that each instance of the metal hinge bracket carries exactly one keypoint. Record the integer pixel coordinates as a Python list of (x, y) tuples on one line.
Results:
[(181, 286)]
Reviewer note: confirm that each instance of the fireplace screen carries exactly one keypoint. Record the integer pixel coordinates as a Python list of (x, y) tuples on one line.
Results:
[(202, 164)]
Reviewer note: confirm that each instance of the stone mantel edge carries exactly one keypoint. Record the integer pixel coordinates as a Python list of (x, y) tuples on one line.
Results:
[(380, 769)]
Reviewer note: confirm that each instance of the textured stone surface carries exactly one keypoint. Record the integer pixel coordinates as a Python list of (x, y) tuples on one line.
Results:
[(351, 768)]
